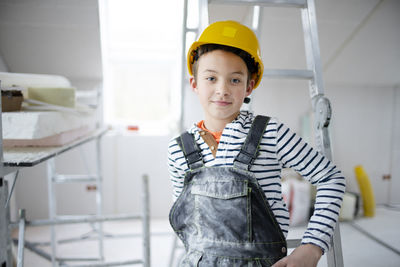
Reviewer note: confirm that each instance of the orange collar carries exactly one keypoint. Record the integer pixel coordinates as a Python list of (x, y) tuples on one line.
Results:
[(216, 135)]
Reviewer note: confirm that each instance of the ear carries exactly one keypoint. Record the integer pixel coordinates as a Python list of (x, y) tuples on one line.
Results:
[(193, 84), (250, 87)]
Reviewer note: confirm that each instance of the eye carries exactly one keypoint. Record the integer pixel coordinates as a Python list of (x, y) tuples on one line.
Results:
[(211, 79), (235, 81)]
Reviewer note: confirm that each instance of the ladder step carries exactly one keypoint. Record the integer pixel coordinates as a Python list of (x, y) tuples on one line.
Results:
[(289, 74), (71, 219), (74, 217), (61, 178), (77, 259), (108, 264), (191, 29), (274, 3)]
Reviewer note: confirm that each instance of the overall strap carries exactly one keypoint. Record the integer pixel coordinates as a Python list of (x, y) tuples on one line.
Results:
[(190, 150), (249, 151)]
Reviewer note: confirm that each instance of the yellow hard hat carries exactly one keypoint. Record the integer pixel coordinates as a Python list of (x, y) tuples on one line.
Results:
[(229, 33)]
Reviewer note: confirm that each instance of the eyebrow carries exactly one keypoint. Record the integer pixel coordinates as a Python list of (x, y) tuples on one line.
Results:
[(208, 70), (214, 71), (238, 72)]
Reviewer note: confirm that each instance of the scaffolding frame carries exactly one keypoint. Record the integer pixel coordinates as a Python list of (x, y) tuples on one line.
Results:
[(6, 226)]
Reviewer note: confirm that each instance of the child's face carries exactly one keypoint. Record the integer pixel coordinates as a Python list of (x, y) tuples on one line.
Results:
[(221, 85)]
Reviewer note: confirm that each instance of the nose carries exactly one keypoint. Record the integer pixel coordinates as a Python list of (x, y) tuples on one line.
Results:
[(222, 88)]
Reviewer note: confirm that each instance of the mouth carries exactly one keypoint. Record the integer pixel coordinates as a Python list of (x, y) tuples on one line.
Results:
[(221, 103)]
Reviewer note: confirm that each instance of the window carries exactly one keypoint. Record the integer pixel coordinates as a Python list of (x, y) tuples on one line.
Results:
[(141, 43)]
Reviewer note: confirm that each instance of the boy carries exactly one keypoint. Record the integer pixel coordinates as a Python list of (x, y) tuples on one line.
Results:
[(225, 170)]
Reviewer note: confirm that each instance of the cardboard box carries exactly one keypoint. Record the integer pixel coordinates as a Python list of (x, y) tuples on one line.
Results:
[(11, 100)]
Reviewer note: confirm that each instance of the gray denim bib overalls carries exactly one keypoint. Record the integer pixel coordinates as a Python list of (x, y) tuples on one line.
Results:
[(222, 215)]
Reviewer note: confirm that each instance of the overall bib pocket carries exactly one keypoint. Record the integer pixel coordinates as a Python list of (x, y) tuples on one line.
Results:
[(191, 259), (220, 205)]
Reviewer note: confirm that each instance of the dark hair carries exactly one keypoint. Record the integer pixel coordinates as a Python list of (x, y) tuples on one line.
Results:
[(252, 65)]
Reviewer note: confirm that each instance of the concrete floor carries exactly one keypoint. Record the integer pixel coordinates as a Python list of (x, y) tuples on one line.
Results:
[(358, 248)]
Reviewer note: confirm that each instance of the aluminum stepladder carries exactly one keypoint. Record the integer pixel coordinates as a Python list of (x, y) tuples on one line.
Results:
[(320, 104)]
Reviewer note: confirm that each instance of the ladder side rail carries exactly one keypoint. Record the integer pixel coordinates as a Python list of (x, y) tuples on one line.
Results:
[(21, 238), (99, 197), (335, 254), (316, 89), (203, 16), (203, 23), (52, 208), (185, 30), (257, 20), (322, 110), (320, 103), (256, 27), (146, 221), (312, 51)]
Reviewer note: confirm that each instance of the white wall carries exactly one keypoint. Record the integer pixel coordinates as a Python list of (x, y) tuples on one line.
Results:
[(135, 156), (362, 132), (361, 126), (3, 66)]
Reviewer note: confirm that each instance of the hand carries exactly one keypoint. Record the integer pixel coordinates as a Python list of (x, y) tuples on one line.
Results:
[(306, 255)]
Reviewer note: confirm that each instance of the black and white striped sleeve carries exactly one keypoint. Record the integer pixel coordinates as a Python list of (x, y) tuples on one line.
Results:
[(294, 153), (177, 168)]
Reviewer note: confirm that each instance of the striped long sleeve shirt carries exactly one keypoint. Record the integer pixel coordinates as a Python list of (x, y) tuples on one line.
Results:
[(279, 148)]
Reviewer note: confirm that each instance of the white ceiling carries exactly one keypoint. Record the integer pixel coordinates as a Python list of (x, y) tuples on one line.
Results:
[(52, 37)]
